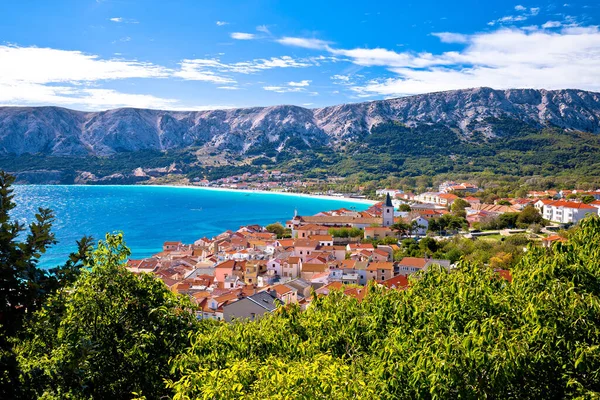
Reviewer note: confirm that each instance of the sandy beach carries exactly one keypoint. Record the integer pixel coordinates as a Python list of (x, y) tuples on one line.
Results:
[(323, 197)]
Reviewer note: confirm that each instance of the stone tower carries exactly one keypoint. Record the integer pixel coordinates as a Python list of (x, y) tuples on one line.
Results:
[(388, 211)]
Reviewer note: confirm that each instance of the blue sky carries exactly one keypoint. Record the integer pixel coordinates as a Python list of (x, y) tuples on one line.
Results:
[(200, 54)]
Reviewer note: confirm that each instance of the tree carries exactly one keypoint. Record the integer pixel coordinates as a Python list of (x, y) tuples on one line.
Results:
[(402, 228), (404, 208), (459, 205), (23, 285), (535, 336), (529, 215), (277, 229), (587, 199), (503, 203), (108, 335)]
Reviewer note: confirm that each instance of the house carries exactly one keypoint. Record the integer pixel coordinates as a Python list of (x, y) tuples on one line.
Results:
[(380, 255), (291, 267), (359, 246), (303, 247), (285, 293), (229, 269), (305, 231), (171, 246), (378, 232), (399, 282), (410, 265), (567, 212), (449, 186), (309, 271), (145, 265), (446, 199), (324, 240), (251, 307), (421, 224), (548, 241), (380, 271)]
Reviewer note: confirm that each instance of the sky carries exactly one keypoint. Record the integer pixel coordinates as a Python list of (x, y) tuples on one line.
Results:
[(205, 54)]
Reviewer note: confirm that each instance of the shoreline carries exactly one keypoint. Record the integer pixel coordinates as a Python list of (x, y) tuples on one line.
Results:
[(249, 191)]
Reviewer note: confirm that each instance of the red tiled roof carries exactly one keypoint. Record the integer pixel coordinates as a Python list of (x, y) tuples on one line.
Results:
[(413, 262)]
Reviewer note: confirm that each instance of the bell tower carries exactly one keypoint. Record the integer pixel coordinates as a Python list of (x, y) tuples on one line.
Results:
[(388, 212)]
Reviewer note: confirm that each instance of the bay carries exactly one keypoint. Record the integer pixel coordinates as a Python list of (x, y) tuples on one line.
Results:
[(151, 215)]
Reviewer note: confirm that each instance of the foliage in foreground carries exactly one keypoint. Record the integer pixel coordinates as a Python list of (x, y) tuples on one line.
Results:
[(465, 334), (108, 335)]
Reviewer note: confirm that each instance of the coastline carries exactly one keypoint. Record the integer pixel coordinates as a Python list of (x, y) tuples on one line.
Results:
[(250, 191)]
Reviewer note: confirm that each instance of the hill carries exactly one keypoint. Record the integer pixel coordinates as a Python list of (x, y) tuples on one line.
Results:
[(446, 129)]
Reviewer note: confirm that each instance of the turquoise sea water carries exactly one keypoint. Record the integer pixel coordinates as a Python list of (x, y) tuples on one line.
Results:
[(149, 216)]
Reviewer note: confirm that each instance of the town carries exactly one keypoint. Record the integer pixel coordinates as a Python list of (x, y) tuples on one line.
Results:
[(246, 273)]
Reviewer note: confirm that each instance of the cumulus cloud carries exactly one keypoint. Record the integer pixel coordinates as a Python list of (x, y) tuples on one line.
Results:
[(221, 23), (552, 24), (291, 87), (520, 8), (300, 84), (243, 36), (506, 58), (22, 64), (70, 78), (315, 44)]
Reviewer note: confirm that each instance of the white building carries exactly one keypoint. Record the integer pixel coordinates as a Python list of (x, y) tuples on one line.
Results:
[(567, 212)]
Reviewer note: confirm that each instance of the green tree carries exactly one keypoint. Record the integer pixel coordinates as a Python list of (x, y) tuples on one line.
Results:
[(466, 333), (459, 205), (529, 215), (402, 228), (587, 199), (404, 208), (108, 335), (24, 286), (277, 229)]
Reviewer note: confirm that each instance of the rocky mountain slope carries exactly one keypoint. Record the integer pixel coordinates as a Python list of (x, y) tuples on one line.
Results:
[(62, 132)]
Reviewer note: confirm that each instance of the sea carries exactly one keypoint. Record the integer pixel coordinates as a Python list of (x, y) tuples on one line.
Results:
[(151, 215)]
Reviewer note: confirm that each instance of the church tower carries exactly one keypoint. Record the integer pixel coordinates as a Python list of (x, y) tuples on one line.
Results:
[(388, 211)]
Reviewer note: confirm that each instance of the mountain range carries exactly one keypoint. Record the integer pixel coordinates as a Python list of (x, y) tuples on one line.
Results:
[(471, 113)]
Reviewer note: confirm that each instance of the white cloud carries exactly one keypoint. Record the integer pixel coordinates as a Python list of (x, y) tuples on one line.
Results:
[(228, 87), (508, 19), (450, 37), (214, 69), (517, 18), (552, 24), (193, 70), (300, 84), (222, 23), (283, 89), (291, 87), (22, 64), (263, 29), (243, 36), (306, 43), (343, 78), (506, 58), (124, 20), (70, 78)]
